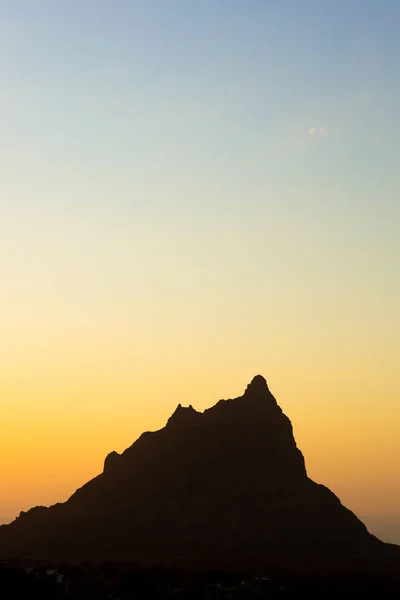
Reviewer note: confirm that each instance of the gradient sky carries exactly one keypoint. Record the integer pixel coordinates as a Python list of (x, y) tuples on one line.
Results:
[(193, 192)]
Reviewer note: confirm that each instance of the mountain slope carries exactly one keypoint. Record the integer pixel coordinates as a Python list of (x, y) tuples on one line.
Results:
[(228, 484)]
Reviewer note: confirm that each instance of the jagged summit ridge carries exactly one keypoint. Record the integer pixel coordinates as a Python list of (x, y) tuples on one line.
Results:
[(256, 389), (258, 386)]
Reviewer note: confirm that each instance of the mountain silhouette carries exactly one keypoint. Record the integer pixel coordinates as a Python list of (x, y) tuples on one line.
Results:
[(228, 484)]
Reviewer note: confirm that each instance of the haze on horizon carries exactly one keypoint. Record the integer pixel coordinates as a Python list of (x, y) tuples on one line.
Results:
[(193, 193)]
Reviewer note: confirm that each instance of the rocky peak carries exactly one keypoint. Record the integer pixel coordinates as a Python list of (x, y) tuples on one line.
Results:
[(258, 382), (183, 415), (111, 460), (258, 388)]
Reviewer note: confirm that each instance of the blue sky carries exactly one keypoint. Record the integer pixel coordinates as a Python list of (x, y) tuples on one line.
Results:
[(184, 132), (164, 120), (220, 93)]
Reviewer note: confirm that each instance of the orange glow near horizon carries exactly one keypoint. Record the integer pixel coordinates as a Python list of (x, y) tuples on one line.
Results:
[(61, 438)]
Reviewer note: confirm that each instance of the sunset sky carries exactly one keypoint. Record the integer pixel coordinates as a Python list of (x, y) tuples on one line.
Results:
[(193, 192)]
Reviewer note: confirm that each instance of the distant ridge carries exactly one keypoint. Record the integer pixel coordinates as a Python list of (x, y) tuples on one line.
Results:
[(228, 485)]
